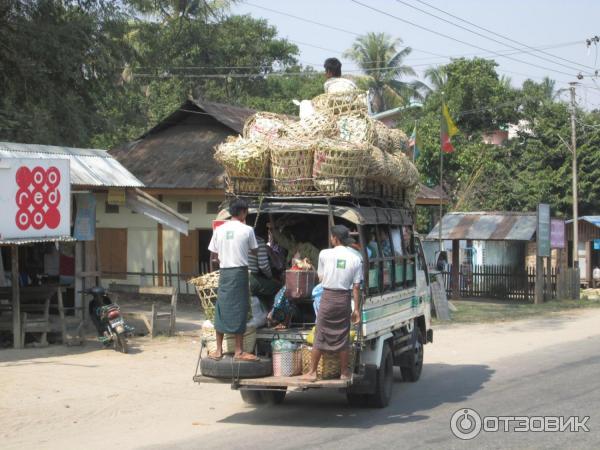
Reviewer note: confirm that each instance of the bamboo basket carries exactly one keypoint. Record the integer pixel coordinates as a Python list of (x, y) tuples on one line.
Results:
[(356, 128), (383, 138), (341, 102), (209, 337), (264, 125), (380, 165), (292, 165), (339, 165), (329, 366), (405, 172), (317, 125), (206, 288), (246, 160), (399, 140)]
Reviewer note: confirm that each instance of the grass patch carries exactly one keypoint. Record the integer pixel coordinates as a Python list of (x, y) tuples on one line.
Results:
[(477, 311)]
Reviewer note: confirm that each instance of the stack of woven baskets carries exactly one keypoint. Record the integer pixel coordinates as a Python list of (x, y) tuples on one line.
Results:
[(337, 149)]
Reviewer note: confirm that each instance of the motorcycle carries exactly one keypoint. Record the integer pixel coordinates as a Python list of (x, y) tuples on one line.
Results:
[(107, 319)]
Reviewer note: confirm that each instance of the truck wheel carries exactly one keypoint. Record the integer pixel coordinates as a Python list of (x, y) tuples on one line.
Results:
[(385, 380), (229, 368), (412, 364), (252, 397), (260, 397)]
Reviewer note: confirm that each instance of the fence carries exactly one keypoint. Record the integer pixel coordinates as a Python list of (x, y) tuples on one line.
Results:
[(166, 278), (509, 283)]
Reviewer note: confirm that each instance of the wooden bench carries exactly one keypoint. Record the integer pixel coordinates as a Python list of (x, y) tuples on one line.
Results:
[(156, 315)]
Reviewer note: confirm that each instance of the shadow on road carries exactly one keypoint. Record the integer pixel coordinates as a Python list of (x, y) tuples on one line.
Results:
[(440, 384)]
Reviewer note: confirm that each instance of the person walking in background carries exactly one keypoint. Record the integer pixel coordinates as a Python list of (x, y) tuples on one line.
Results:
[(340, 271), (232, 242)]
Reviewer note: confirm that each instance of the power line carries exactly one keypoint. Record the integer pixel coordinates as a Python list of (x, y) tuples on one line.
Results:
[(483, 35), (457, 40), (502, 36)]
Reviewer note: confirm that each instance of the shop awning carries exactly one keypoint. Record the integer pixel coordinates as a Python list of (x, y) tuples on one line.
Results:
[(142, 203)]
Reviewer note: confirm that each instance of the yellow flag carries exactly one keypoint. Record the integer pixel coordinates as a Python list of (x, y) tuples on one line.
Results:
[(452, 129)]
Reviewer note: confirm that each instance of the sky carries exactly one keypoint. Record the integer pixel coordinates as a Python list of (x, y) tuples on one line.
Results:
[(559, 27)]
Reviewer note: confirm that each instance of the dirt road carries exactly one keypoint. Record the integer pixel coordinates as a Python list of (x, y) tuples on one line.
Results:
[(68, 398)]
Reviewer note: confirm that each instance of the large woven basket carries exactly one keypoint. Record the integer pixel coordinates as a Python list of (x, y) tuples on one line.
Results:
[(292, 164), (209, 337), (405, 173), (341, 102), (264, 125), (383, 136), (356, 128), (329, 366), (380, 165), (206, 288), (339, 165), (399, 140), (246, 163), (317, 125)]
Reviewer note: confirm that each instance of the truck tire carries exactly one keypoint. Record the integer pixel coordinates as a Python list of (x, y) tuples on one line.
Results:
[(412, 363), (261, 397), (385, 380), (229, 368)]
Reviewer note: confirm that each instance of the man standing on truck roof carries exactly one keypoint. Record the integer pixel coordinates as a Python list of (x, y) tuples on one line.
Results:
[(335, 83), (340, 272), (232, 242)]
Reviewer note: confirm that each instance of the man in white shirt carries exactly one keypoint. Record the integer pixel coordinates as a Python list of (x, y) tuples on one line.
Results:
[(340, 272), (335, 83), (232, 242)]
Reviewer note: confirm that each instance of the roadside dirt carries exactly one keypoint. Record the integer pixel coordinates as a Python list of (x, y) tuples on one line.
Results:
[(91, 398)]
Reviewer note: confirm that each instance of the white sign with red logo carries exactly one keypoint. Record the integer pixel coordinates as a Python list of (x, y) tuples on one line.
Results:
[(35, 198)]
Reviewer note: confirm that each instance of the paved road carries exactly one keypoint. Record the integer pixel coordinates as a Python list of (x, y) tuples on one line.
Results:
[(561, 379)]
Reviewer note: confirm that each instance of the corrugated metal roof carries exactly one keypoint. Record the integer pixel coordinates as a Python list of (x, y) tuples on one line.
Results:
[(594, 220), (483, 226), (36, 240), (89, 167)]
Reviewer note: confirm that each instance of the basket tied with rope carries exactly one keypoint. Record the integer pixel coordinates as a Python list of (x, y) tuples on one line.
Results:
[(246, 160), (292, 164)]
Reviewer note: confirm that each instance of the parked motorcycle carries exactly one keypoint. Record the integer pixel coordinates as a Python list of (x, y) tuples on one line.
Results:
[(108, 320)]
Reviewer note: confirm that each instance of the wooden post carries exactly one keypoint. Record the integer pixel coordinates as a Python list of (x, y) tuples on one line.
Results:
[(79, 282), (539, 280), (16, 300), (454, 282), (588, 263), (160, 254)]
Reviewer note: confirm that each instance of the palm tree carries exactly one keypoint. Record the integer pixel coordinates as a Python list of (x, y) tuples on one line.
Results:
[(378, 57), (438, 77)]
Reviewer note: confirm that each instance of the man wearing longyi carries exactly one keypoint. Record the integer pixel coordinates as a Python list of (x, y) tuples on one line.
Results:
[(232, 242), (340, 272)]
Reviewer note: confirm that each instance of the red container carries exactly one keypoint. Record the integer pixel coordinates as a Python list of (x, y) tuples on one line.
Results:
[(299, 283)]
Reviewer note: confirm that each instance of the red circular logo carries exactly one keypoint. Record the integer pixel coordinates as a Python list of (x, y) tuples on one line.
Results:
[(52, 177), (23, 198), (38, 175), (23, 220), (23, 177), (52, 218), (38, 190)]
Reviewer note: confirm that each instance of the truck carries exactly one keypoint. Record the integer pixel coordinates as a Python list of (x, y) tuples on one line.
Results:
[(395, 315)]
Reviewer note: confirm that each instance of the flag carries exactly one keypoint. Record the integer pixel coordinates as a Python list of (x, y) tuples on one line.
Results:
[(448, 130), (415, 143)]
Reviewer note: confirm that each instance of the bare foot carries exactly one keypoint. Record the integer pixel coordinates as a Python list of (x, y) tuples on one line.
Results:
[(216, 356), (346, 377), (245, 357), (311, 377)]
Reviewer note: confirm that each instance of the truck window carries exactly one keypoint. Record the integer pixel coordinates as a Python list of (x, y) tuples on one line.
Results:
[(399, 257), (387, 256), (374, 282), (421, 262)]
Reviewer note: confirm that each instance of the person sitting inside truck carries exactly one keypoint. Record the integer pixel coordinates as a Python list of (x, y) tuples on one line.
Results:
[(262, 283), (295, 249), (340, 272), (335, 83)]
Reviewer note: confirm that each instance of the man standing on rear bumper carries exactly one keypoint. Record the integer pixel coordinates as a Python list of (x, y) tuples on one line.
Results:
[(340, 272), (232, 242)]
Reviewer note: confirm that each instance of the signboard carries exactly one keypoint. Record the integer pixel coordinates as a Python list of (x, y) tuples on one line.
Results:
[(557, 233), (85, 218), (596, 244), (35, 198), (543, 229), (116, 197)]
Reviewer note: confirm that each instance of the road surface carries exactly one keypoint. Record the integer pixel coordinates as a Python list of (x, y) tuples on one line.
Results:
[(543, 367)]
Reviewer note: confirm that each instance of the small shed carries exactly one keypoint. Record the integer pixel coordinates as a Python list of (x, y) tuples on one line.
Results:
[(48, 234), (589, 245)]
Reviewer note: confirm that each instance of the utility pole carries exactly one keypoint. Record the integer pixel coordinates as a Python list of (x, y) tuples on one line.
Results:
[(575, 200)]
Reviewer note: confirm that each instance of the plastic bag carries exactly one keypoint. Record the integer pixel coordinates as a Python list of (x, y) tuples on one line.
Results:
[(259, 315), (283, 345), (317, 292)]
